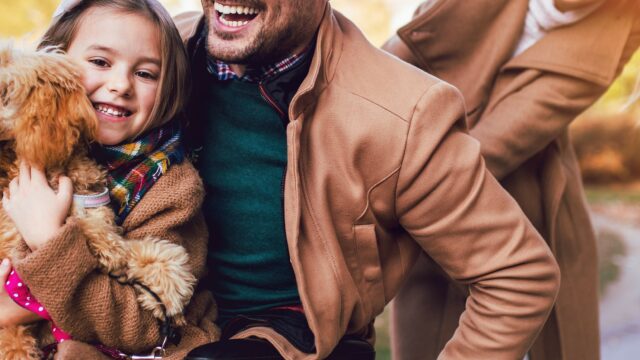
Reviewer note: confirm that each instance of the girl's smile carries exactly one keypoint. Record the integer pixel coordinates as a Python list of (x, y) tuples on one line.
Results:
[(111, 113)]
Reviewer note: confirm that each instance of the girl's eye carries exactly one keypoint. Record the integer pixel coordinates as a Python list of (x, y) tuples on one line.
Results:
[(146, 75), (99, 62)]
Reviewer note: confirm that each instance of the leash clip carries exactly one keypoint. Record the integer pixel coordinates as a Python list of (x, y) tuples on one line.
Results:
[(158, 353)]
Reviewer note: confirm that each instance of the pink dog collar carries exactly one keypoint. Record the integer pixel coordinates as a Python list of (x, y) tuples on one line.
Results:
[(92, 201)]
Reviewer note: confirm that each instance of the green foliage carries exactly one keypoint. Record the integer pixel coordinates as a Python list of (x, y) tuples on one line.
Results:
[(613, 194), (372, 16), (610, 248)]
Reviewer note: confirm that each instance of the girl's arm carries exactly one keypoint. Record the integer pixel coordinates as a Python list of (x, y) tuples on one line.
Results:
[(64, 276), (10, 312)]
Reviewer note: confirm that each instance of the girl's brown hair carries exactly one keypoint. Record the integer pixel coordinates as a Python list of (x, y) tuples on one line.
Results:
[(174, 76)]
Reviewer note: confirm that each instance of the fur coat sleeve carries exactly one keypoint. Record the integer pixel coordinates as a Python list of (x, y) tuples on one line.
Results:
[(64, 276)]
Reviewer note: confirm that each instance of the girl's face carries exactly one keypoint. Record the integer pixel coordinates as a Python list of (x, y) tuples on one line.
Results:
[(120, 56)]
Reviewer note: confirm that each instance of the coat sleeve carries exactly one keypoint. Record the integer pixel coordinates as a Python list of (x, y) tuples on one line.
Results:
[(536, 110), (399, 48), (64, 276), (461, 217)]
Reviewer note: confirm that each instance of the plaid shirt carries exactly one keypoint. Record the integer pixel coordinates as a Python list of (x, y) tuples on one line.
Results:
[(223, 71)]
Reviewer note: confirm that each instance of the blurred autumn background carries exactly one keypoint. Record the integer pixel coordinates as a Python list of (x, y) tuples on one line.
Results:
[(606, 138)]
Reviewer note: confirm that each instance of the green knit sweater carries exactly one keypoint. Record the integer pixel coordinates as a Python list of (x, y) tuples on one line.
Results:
[(243, 165)]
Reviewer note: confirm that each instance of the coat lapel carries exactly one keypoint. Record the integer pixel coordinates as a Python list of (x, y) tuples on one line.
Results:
[(480, 28), (590, 49)]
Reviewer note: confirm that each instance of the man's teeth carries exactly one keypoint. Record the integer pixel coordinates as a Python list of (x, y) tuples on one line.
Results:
[(111, 111), (233, 23), (240, 10)]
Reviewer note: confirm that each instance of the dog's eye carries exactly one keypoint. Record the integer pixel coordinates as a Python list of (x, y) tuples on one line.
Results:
[(99, 62)]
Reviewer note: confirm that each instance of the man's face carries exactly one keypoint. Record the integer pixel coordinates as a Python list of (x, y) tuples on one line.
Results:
[(255, 32)]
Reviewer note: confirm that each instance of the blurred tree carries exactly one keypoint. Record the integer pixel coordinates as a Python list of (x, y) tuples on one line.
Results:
[(372, 16), (618, 95), (25, 17)]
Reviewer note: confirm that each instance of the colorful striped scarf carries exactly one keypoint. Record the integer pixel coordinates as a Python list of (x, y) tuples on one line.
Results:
[(133, 168)]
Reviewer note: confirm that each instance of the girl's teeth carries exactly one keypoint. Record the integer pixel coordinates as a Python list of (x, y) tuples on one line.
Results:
[(110, 111)]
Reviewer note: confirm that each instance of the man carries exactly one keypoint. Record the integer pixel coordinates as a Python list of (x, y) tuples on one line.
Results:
[(330, 166), (522, 89)]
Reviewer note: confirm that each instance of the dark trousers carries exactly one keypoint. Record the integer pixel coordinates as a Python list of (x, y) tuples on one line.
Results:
[(290, 324)]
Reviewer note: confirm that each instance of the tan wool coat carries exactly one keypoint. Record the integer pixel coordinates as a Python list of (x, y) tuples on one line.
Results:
[(380, 168), (519, 109), (93, 308)]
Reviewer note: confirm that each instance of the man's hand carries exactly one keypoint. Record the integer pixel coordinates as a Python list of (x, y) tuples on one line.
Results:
[(36, 209), (10, 312)]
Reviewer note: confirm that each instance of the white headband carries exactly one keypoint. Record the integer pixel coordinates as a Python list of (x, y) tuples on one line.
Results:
[(64, 7)]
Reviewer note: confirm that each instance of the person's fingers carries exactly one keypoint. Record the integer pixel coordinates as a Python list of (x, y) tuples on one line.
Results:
[(5, 268), (65, 188), (25, 173), (38, 175), (13, 187), (5, 200)]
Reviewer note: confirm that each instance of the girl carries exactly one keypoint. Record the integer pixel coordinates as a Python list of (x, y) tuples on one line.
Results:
[(135, 74)]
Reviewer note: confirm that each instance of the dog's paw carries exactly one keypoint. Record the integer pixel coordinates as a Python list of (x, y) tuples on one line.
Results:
[(163, 267), (17, 343)]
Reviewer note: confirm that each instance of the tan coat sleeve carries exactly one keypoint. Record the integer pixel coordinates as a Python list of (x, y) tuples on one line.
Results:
[(464, 220), (523, 122), (534, 109), (399, 48), (63, 275)]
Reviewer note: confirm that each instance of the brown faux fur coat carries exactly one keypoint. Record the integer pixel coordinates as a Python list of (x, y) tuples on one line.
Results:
[(64, 276)]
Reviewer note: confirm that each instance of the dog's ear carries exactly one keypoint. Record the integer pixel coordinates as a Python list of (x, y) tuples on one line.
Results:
[(53, 122), (5, 93), (7, 89)]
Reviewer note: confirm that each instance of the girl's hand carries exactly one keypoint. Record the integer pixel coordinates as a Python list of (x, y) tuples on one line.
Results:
[(36, 209), (10, 312)]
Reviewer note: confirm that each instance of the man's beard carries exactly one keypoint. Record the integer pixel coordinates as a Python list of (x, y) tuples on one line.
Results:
[(267, 47)]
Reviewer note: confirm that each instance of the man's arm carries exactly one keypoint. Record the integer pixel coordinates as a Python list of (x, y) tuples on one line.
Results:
[(462, 218), (399, 48)]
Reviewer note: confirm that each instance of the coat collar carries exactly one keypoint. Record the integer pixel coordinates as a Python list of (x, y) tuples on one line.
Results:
[(323, 64), (492, 28), (448, 35), (565, 50)]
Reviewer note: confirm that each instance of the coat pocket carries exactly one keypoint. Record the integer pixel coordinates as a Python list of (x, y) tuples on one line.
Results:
[(371, 286)]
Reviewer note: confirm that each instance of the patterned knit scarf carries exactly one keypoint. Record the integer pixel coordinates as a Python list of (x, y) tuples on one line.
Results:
[(133, 168)]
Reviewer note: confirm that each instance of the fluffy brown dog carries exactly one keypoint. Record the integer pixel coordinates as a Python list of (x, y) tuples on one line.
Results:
[(47, 120)]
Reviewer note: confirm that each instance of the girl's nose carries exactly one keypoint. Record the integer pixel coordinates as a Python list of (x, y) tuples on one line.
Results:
[(120, 84)]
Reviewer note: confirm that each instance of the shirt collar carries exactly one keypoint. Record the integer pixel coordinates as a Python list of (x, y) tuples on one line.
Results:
[(254, 75), (223, 71)]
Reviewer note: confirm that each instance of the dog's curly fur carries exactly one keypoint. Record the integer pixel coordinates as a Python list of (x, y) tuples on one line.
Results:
[(47, 120)]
